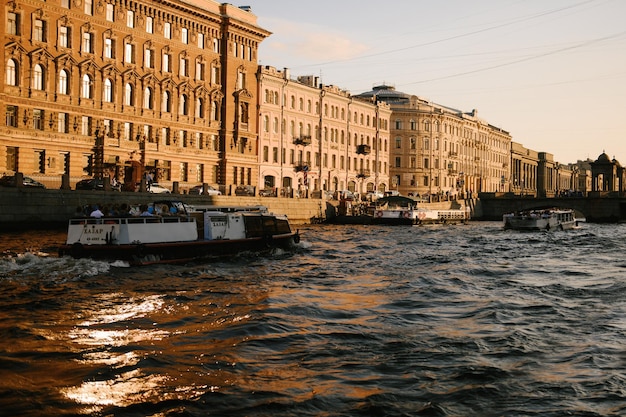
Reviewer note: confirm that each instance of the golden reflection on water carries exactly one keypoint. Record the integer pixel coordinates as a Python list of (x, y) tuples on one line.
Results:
[(94, 331)]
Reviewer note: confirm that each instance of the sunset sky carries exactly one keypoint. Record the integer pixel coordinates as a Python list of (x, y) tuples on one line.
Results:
[(550, 72)]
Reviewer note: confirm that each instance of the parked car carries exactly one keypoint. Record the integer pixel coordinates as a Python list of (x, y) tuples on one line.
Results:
[(345, 195), (95, 184), (155, 188), (198, 190), (325, 194), (244, 190), (267, 192), (10, 181)]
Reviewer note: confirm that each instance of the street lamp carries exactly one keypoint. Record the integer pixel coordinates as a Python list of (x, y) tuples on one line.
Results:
[(98, 155)]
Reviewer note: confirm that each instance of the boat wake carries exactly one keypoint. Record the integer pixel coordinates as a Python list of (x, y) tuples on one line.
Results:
[(39, 264)]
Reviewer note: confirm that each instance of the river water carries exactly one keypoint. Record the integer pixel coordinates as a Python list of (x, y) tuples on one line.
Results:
[(466, 320)]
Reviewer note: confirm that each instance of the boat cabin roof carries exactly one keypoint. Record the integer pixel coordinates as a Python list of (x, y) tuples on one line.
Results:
[(397, 200)]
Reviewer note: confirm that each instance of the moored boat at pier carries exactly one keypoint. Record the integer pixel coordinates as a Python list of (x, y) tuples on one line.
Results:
[(406, 210), (545, 219), (176, 238)]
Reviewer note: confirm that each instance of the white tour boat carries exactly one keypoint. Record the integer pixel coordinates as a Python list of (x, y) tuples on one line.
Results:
[(181, 237), (405, 210), (546, 219)]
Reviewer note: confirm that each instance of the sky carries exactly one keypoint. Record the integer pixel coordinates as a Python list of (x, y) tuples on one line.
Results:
[(552, 73)]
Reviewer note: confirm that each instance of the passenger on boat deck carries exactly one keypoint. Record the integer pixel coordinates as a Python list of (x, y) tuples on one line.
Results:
[(165, 211), (144, 210), (96, 213)]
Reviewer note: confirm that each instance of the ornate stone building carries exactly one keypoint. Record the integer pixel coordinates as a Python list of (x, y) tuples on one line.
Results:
[(117, 87), (439, 150), (318, 137)]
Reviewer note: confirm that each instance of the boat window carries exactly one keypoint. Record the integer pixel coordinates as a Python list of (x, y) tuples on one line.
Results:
[(268, 225), (254, 226), (282, 226)]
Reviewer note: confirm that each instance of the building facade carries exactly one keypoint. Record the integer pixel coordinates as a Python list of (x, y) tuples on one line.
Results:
[(119, 88), (317, 138), (436, 150)]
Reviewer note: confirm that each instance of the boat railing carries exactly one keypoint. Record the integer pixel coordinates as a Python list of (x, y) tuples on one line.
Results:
[(132, 220)]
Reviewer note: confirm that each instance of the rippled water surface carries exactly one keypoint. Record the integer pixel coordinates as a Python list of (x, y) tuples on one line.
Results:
[(361, 321)]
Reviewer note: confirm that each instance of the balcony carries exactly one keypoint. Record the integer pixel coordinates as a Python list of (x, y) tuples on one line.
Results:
[(453, 154), (363, 173), (363, 149), (302, 140), (301, 166)]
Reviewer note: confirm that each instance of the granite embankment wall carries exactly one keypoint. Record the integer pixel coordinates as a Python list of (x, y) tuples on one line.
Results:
[(23, 208)]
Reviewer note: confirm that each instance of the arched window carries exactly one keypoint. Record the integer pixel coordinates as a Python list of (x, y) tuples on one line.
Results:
[(129, 98), (63, 85), (147, 98), (107, 92), (38, 77), (11, 73), (266, 123), (166, 103), (200, 110), (86, 86), (214, 114), (183, 107)]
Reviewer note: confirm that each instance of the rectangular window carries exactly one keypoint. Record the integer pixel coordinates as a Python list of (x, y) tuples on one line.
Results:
[(89, 7), (109, 48), (149, 24), (11, 116), (129, 53), (241, 81), (85, 126), (167, 30), (215, 75), (166, 63), (183, 67), (184, 35), (149, 61), (87, 46), (110, 12), (108, 127), (38, 118), (65, 4), (199, 71), (13, 23), (64, 38), (39, 31), (216, 45), (130, 19), (62, 123), (201, 40), (128, 130)]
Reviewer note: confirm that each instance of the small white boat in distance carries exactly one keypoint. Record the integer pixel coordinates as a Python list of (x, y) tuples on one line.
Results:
[(546, 219)]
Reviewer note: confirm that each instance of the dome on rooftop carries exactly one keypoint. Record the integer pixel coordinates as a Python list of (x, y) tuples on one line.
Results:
[(604, 158), (385, 93)]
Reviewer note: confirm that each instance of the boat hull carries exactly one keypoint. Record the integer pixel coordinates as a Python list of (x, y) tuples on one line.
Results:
[(180, 252)]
